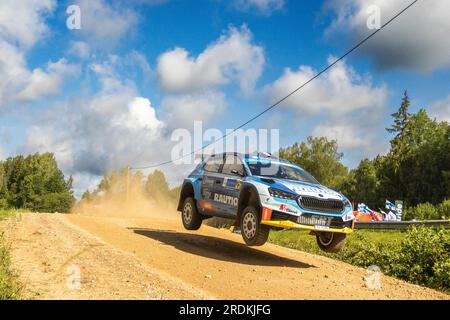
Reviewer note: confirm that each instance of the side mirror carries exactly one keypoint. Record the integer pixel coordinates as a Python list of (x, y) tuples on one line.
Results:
[(237, 173)]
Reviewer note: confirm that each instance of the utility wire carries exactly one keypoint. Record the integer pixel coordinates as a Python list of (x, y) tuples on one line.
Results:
[(359, 44)]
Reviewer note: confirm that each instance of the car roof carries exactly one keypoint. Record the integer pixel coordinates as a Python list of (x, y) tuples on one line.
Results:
[(259, 156)]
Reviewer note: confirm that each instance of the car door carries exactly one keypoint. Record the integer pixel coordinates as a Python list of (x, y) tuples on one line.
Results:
[(227, 185), (212, 169)]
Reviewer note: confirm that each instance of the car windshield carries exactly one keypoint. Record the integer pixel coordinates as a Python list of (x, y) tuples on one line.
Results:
[(280, 171)]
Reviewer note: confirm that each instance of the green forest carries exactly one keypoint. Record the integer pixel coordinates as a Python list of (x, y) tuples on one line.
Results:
[(35, 183)]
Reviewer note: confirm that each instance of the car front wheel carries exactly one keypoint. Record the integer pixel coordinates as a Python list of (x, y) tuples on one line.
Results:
[(253, 232), (331, 242), (192, 219)]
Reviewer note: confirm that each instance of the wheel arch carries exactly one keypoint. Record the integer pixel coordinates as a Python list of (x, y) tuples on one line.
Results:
[(248, 196), (186, 191)]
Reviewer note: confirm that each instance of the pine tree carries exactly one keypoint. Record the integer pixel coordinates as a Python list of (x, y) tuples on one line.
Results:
[(400, 144), (401, 116)]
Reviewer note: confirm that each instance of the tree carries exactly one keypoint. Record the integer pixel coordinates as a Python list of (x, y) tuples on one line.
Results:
[(122, 187), (114, 183), (29, 181), (3, 188), (417, 168), (424, 171), (401, 142), (117, 188), (55, 202), (366, 183), (401, 116), (321, 158), (2, 175), (157, 186)]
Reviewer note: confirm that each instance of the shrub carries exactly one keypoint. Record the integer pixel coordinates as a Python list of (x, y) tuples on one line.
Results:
[(444, 209), (9, 287), (423, 211), (420, 255), (3, 204), (423, 252), (441, 279), (55, 202)]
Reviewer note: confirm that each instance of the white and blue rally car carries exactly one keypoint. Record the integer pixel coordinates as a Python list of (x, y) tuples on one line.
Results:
[(260, 192)]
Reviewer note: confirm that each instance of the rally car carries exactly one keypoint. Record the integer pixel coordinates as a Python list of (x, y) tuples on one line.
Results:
[(260, 192)]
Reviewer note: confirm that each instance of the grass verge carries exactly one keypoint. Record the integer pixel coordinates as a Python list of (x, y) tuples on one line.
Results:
[(420, 255), (10, 287)]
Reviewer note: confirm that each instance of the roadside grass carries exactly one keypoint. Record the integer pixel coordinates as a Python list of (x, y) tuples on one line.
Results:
[(10, 213), (305, 242), (419, 255), (10, 288), (5, 213)]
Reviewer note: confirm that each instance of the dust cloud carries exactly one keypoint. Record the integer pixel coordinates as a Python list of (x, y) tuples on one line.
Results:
[(127, 196)]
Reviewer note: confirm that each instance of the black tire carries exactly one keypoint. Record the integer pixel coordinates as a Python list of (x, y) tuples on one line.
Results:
[(192, 219), (331, 242), (253, 232)]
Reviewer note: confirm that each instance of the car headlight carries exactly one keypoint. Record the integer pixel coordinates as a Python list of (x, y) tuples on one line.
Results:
[(276, 193), (347, 203)]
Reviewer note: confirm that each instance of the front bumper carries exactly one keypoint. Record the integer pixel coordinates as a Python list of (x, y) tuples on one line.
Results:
[(286, 224)]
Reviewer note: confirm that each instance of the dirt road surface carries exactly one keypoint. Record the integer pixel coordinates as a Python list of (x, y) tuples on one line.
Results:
[(155, 258)]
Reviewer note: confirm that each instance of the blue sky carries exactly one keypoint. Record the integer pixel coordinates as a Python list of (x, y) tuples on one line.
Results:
[(112, 93)]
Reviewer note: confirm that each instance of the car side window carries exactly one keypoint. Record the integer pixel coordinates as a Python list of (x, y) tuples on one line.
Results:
[(213, 165), (232, 165)]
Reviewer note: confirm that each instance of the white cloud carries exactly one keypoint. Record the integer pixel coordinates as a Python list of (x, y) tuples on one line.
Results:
[(232, 57), (347, 106), (80, 49), (115, 127), (22, 24), (47, 82), (180, 111), (128, 66), (95, 134), (138, 60), (359, 134), (139, 116), (50, 139), (12, 73), (104, 24), (440, 110), (108, 132), (417, 40), (17, 83), (264, 7), (344, 133), (335, 93), (23, 21)]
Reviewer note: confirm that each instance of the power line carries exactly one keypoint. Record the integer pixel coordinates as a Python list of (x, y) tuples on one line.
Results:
[(359, 44)]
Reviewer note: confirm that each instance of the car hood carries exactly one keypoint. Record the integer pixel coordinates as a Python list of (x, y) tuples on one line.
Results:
[(309, 189)]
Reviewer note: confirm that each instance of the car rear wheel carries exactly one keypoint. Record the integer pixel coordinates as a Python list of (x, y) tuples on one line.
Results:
[(253, 232), (192, 219), (331, 242)]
